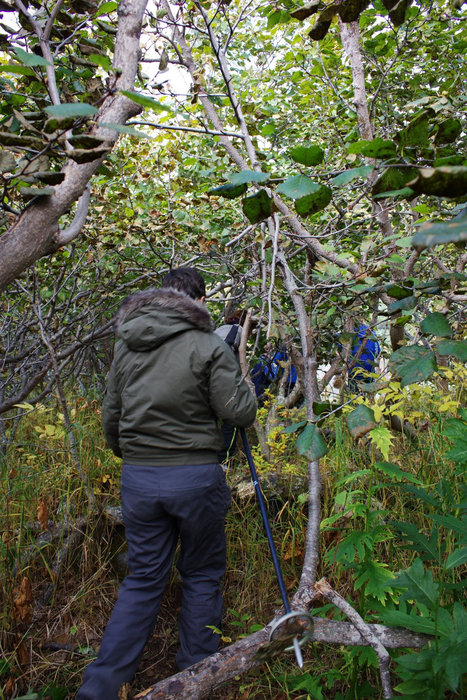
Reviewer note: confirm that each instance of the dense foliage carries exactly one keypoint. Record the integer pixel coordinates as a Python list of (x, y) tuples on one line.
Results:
[(311, 161)]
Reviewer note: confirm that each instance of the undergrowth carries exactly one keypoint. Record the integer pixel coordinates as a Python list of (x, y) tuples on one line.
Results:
[(393, 542)]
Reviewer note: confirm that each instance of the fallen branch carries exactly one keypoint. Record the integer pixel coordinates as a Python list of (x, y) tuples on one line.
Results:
[(364, 629), (197, 681)]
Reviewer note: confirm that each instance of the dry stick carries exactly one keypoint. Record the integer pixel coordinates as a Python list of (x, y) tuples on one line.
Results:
[(365, 630)]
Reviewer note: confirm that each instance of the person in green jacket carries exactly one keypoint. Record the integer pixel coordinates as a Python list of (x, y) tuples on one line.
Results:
[(171, 382)]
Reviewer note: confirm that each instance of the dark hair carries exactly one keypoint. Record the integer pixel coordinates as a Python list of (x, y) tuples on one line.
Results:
[(187, 280)]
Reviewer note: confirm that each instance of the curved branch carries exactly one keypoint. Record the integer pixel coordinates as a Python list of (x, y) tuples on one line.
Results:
[(74, 229)]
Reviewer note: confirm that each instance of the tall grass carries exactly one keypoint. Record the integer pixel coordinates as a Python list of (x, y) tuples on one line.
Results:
[(48, 646)]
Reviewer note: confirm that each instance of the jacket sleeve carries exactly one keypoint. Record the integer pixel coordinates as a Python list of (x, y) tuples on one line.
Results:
[(111, 408), (229, 395)]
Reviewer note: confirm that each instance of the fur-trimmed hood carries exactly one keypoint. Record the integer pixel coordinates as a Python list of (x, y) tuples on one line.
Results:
[(148, 318)]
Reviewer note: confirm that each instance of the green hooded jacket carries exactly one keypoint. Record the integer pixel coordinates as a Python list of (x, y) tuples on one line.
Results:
[(170, 382)]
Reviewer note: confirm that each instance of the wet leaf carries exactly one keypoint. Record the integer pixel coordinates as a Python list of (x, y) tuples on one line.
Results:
[(360, 421)]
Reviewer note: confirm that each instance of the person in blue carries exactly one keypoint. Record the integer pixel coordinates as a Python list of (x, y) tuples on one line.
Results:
[(364, 352), (269, 370)]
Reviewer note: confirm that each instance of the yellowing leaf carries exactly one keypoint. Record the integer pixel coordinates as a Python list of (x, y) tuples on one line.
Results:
[(378, 411), (382, 438)]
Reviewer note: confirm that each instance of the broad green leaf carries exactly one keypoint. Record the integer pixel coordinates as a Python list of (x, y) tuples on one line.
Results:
[(451, 659), (102, 61), (257, 207), (29, 59), (458, 348), (412, 363), (307, 155), (278, 17), (404, 304), (298, 186), (393, 179), (248, 176), (145, 101), (419, 585), (400, 291), (314, 202), (294, 427), (446, 181), (417, 133), (360, 421), (396, 472), (448, 131), (71, 109), (229, 191), (16, 69), (349, 175), (377, 148), (311, 443), (430, 235), (436, 324), (456, 558), (106, 8), (421, 625)]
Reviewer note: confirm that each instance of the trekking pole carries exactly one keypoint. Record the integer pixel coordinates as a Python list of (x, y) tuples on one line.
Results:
[(289, 613)]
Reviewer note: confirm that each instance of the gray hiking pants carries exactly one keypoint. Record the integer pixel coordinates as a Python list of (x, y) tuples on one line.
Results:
[(160, 505)]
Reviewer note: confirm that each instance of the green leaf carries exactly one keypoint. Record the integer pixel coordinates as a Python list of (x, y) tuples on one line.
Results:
[(376, 577), (417, 133), (448, 131), (419, 585), (377, 148), (396, 472), (421, 625), (248, 176), (458, 348), (430, 235), (100, 60), (311, 443), (405, 192), (393, 179), (400, 291), (412, 363), (360, 421), (145, 101), (298, 186), (229, 191), (71, 109), (294, 427), (16, 69), (404, 304), (30, 59), (257, 207), (278, 17), (314, 202), (349, 175), (106, 8), (456, 558), (436, 324), (445, 181), (307, 155)]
